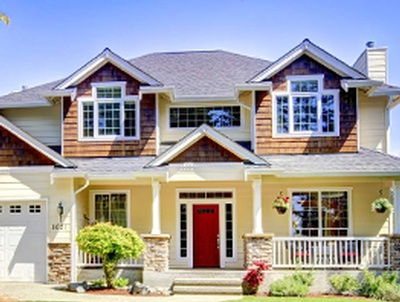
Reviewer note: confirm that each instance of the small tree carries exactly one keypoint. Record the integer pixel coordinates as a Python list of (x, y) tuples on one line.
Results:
[(111, 243)]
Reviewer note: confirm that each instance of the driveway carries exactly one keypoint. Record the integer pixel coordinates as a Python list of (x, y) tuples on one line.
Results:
[(10, 292)]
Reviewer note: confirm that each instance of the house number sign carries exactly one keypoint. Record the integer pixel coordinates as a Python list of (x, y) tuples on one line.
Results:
[(57, 226)]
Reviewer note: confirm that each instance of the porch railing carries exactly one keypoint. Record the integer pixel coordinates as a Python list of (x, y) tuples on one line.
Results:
[(86, 260), (331, 252)]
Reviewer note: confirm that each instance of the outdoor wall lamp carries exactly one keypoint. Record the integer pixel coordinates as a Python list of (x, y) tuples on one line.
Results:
[(60, 210)]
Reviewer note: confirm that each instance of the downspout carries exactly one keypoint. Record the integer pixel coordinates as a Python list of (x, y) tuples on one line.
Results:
[(74, 249)]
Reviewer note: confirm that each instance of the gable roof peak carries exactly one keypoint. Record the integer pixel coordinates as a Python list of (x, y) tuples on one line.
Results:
[(306, 47), (200, 132), (104, 57)]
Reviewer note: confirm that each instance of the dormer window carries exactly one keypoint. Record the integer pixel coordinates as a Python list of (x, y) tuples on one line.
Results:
[(109, 114), (306, 108)]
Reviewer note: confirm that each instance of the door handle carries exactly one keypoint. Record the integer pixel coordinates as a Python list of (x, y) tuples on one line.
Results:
[(218, 241)]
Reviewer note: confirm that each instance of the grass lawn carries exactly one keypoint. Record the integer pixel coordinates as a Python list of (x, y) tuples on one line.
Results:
[(295, 299)]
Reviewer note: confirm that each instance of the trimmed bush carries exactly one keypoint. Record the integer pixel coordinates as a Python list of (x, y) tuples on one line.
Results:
[(296, 285), (345, 284)]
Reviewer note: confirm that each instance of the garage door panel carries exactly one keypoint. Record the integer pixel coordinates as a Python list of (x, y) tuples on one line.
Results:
[(23, 242)]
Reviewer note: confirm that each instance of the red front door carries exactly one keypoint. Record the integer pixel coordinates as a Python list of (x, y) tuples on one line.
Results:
[(206, 235)]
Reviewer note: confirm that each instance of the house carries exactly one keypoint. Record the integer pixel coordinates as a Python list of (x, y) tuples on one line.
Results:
[(190, 149)]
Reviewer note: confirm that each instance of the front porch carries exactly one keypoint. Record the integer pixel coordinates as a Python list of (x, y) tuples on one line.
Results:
[(280, 253)]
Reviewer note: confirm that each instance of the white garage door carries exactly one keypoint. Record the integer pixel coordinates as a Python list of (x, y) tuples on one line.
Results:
[(23, 241)]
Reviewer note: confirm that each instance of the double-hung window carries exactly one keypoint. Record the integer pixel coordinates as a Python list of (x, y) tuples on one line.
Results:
[(320, 212), (109, 113), (110, 207), (306, 108)]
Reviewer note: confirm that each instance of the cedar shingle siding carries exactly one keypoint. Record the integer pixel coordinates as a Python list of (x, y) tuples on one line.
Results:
[(346, 142), (14, 152), (206, 150), (144, 146)]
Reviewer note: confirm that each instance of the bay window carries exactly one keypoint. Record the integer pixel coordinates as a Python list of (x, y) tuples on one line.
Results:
[(306, 108), (320, 212), (109, 113)]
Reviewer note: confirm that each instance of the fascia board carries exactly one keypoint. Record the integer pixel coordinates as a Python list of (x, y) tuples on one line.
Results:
[(254, 86), (201, 98), (25, 105), (340, 174), (346, 83), (26, 170)]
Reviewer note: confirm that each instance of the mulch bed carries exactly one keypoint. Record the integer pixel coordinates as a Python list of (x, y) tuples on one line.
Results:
[(108, 291)]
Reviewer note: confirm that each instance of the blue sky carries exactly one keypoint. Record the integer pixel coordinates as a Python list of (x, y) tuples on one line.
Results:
[(50, 39)]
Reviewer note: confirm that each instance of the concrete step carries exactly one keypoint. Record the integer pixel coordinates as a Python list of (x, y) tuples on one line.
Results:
[(208, 281), (207, 289), (207, 286)]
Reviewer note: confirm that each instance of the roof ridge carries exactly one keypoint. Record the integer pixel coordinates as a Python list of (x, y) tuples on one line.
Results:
[(183, 52)]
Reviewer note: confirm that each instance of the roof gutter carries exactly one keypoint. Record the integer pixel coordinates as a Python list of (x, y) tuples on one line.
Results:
[(346, 83)]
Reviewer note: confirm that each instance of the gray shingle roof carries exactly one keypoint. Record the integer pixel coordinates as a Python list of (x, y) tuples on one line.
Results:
[(204, 73), (364, 163), (30, 97)]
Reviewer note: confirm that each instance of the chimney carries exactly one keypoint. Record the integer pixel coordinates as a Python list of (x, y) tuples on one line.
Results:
[(373, 62)]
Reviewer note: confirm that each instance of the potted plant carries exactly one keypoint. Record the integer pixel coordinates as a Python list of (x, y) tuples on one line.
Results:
[(381, 205), (281, 204), (254, 278)]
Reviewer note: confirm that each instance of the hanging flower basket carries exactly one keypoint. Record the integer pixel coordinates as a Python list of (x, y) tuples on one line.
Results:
[(281, 204), (281, 210), (381, 205)]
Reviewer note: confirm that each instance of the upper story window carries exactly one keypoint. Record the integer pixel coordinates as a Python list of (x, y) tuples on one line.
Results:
[(191, 117), (306, 109), (109, 113)]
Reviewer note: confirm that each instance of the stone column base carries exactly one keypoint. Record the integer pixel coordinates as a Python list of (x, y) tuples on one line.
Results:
[(394, 247), (156, 253), (257, 247), (59, 262)]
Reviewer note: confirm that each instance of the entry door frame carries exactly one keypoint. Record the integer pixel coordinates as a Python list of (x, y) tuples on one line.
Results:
[(222, 228)]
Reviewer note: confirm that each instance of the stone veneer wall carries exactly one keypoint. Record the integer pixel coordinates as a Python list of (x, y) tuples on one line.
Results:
[(156, 253), (394, 246), (257, 247), (59, 261)]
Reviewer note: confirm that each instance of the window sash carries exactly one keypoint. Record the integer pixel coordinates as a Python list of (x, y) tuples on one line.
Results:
[(306, 109), (111, 207), (217, 116), (102, 119), (320, 213)]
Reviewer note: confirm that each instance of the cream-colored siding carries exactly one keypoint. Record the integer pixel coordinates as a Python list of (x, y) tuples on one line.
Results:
[(373, 114), (363, 222), (167, 134), (43, 123)]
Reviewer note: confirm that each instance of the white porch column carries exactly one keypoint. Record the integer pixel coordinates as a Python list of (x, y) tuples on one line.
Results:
[(396, 207), (156, 229), (257, 207)]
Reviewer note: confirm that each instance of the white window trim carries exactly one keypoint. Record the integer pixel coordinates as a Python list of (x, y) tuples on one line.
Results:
[(234, 128), (124, 98), (319, 94), (189, 260), (92, 194), (348, 190)]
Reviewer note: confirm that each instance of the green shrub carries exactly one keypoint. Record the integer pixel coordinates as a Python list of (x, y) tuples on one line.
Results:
[(296, 285), (344, 284), (389, 292), (121, 282), (112, 243), (383, 287), (97, 283)]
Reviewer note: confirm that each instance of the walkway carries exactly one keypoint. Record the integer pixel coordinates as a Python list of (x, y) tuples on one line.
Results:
[(51, 292)]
